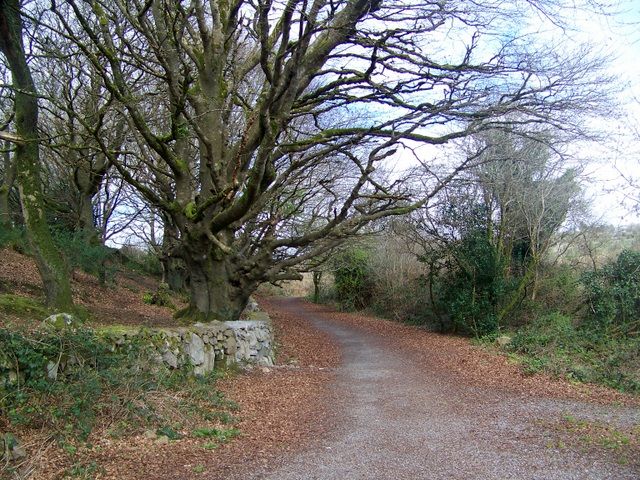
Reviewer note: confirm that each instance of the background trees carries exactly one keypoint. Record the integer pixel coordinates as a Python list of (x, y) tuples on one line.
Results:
[(234, 151)]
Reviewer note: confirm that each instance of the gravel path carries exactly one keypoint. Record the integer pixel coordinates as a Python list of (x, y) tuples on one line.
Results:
[(401, 420)]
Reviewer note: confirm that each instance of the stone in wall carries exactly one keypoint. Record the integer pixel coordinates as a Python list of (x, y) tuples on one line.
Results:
[(255, 341), (204, 345)]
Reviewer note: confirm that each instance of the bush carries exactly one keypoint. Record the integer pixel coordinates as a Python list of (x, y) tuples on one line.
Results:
[(83, 251), (13, 238), (553, 343), (548, 332), (473, 287), (161, 297), (560, 290), (64, 405), (613, 294), (353, 277), (145, 262)]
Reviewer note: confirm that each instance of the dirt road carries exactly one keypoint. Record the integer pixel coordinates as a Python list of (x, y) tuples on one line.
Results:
[(401, 417)]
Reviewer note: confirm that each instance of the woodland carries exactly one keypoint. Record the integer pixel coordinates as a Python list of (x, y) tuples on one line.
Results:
[(425, 161)]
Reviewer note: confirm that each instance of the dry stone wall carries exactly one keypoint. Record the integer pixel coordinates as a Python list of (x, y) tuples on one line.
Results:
[(204, 345), (200, 347)]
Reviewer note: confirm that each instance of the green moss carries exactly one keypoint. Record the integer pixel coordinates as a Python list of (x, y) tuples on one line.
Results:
[(174, 206), (181, 163), (260, 316), (190, 315), (224, 90), (23, 306), (116, 330), (190, 210)]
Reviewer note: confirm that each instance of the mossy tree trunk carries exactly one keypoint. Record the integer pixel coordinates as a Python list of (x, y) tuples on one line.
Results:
[(53, 270), (317, 281), (9, 170), (174, 272), (218, 289)]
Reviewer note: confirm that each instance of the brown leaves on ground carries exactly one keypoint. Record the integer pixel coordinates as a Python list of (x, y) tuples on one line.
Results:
[(119, 302), (281, 410)]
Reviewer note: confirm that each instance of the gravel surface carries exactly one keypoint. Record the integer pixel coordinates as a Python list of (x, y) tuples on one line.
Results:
[(403, 415)]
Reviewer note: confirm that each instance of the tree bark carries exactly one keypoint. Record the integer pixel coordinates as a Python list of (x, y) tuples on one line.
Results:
[(216, 293), (52, 268), (174, 273), (317, 279), (5, 188)]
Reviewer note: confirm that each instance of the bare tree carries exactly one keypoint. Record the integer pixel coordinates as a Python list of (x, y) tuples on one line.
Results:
[(510, 205), (232, 107)]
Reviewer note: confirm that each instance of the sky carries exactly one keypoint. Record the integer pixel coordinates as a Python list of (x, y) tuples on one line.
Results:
[(616, 37)]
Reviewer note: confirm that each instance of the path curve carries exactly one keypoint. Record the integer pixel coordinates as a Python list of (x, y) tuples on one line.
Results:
[(400, 421)]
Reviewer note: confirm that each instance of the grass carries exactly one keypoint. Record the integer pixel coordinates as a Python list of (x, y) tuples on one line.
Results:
[(222, 436), (84, 471), (113, 391), (624, 444)]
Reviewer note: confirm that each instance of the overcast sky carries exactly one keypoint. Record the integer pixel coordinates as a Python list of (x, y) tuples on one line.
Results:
[(615, 36), (618, 37)]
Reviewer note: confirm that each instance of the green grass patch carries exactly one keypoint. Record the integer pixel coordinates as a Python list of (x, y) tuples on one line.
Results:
[(219, 435)]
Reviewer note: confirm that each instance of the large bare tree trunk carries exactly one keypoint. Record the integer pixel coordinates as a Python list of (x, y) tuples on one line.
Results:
[(51, 265), (215, 291), (218, 288), (174, 272)]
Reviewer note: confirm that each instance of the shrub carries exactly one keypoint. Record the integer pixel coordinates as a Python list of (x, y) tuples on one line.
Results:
[(550, 331), (162, 297), (473, 286), (613, 294), (353, 278), (84, 252), (123, 387), (13, 238), (554, 343), (145, 262)]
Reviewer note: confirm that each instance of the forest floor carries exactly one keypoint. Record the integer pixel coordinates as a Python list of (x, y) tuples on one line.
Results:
[(119, 302), (353, 396)]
